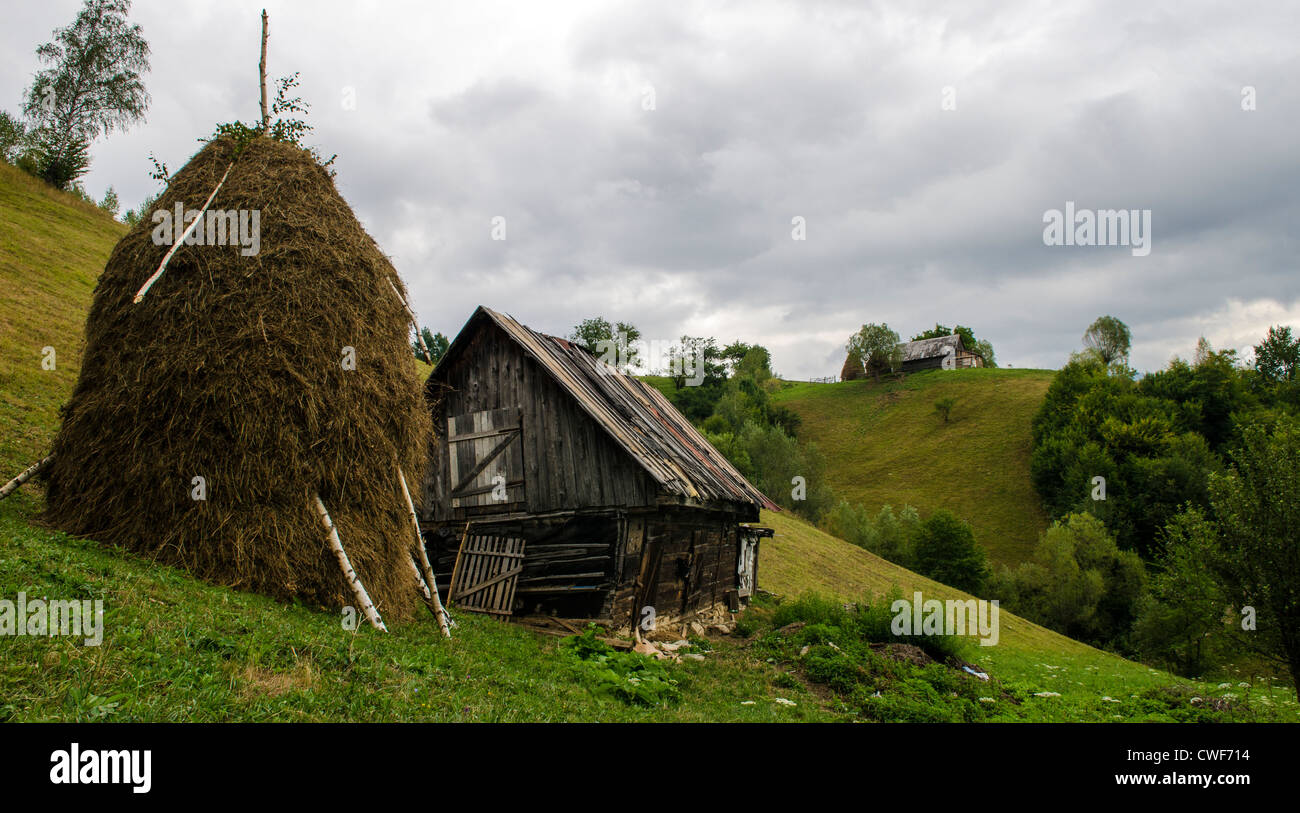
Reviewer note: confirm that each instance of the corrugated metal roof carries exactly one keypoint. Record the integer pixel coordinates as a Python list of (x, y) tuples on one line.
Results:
[(929, 348), (636, 415)]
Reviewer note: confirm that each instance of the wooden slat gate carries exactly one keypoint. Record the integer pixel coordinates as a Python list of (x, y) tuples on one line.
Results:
[(486, 573)]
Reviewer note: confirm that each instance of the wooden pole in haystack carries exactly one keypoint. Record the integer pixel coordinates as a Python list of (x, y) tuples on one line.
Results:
[(358, 589), (430, 580), (261, 72), (27, 474)]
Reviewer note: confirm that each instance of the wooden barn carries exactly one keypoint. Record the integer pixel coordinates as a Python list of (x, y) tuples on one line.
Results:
[(561, 486), (929, 354)]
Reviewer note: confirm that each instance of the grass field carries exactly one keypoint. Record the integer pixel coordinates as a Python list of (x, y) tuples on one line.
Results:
[(178, 649), (52, 249), (884, 444)]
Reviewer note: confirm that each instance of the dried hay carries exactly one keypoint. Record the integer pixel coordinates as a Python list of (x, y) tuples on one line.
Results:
[(230, 369)]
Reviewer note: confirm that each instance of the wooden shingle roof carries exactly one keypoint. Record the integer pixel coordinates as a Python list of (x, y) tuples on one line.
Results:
[(634, 414), (930, 348)]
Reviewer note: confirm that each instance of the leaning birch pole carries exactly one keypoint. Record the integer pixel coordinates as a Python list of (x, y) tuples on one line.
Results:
[(26, 474), (261, 73), (358, 589), (419, 578), (410, 314), (429, 578), (144, 289)]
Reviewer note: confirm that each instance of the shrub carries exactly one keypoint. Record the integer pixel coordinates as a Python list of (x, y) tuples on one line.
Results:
[(946, 551)]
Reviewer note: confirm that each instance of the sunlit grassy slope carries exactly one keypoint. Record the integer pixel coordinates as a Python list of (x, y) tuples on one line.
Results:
[(884, 444), (52, 249)]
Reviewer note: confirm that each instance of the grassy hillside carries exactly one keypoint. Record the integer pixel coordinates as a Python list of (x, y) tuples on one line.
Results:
[(884, 444), (52, 249), (178, 649)]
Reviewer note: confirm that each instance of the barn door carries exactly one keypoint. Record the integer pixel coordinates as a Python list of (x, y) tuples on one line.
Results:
[(745, 562), (486, 458), (486, 573)]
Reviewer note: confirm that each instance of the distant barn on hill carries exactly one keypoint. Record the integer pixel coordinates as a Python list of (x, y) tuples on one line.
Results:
[(929, 354), (559, 485)]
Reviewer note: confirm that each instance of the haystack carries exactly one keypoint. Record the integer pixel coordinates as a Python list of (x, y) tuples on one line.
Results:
[(234, 369)]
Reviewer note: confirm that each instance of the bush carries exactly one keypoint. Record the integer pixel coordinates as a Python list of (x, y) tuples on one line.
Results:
[(1078, 583), (946, 551)]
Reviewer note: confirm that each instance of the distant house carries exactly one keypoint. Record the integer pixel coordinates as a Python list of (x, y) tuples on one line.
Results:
[(559, 485), (924, 354), (929, 354)]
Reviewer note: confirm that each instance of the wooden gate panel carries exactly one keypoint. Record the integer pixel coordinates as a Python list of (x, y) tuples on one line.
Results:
[(487, 573)]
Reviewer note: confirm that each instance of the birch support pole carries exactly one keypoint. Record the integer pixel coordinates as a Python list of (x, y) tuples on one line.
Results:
[(261, 75), (26, 474), (358, 589), (144, 289), (444, 621), (419, 578), (410, 314)]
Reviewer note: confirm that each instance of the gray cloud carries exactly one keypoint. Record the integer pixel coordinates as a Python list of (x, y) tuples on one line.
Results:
[(679, 218)]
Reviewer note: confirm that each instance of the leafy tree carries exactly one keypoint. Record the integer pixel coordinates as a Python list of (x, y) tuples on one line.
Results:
[(1078, 582), (92, 86), (687, 354), (614, 343), (14, 138), (1278, 356), (877, 346), (944, 406), (946, 551), (1182, 621), (110, 203), (1110, 339), (981, 348), (437, 344), (1256, 509)]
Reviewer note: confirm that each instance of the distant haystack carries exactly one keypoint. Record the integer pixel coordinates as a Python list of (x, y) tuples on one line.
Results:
[(209, 415)]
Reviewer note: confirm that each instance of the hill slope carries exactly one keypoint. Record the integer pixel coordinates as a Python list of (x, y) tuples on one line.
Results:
[(884, 444), (52, 249)]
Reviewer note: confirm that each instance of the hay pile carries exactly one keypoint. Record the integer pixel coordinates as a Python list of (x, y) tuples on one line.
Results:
[(230, 369)]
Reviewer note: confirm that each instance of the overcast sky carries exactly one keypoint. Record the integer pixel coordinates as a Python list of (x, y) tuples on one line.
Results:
[(648, 159)]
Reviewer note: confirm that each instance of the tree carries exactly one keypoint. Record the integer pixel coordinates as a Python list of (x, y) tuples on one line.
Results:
[(1109, 338), (1278, 356), (110, 203), (946, 552), (982, 349), (13, 137), (877, 346), (612, 343), (1078, 582), (437, 344), (92, 86), (944, 407), (1182, 621), (696, 359), (1256, 507)]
